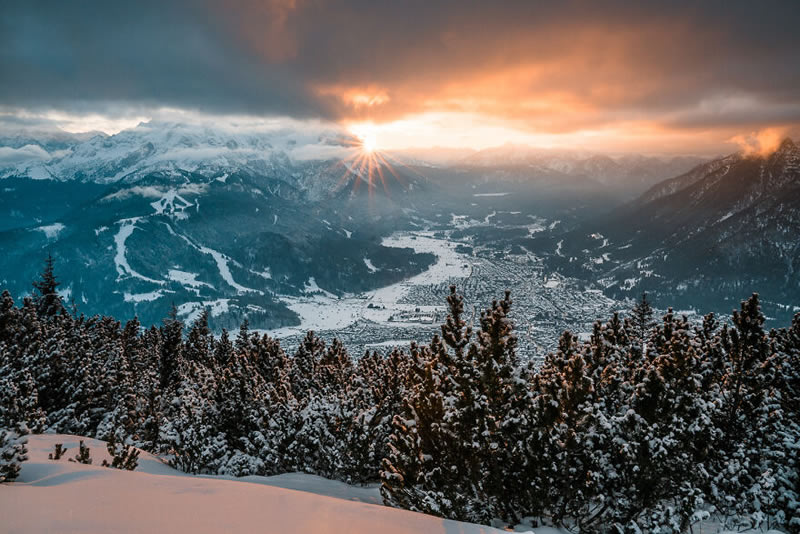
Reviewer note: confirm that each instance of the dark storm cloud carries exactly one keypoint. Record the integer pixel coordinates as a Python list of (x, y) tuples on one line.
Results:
[(93, 56), (552, 66)]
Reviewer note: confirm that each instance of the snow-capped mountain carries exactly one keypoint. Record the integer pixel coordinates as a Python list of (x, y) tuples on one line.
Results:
[(235, 217), (727, 226), (201, 216), (204, 149)]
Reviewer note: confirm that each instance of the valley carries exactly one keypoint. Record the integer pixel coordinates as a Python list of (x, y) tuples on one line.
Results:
[(274, 226), (545, 304)]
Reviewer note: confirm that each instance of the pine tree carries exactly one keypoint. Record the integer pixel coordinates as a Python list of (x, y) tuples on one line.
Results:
[(642, 319), (461, 424), (46, 298), (12, 453), (171, 349), (413, 470), (123, 456), (83, 456), (304, 364), (58, 451), (198, 343)]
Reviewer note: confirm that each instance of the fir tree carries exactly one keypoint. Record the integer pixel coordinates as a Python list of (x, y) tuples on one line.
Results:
[(58, 451), (123, 456), (171, 349), (45, 297), (83, 456), (642, 319), (12, 453)]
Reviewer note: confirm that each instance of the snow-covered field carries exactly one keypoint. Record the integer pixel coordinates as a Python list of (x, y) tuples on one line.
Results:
[(62, 496), (320, 312)]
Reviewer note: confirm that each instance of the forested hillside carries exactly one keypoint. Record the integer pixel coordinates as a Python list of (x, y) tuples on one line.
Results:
[(650, 425)]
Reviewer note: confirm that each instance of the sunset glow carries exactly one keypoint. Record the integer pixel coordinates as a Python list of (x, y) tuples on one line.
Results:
[(613, 79)]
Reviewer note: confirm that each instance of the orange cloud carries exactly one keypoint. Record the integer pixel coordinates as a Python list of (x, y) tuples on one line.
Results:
[(762, 142), (356, 97)]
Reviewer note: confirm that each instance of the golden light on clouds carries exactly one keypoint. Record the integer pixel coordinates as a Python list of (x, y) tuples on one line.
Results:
[(652, 77), (762, 142), (356, 97)]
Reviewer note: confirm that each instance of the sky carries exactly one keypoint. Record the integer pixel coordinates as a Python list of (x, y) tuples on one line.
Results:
[(657, 77)]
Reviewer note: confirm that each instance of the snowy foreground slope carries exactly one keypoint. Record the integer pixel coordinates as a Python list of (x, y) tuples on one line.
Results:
[(62, 496)]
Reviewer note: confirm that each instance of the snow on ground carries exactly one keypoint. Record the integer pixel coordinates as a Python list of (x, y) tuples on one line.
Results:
[(191, 310), (126, 228), (370, 265), (186, 279), (320, 312), (490, 194), (170, 203), (266, 274), (326, 311), (225, 271), (51, 231), (389, 343), (725, 217), (222, 263), (62, 496), (310, 288), (143, 297)]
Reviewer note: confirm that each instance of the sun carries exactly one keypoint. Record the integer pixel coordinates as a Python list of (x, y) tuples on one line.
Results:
[(365, 162), (369, 143)]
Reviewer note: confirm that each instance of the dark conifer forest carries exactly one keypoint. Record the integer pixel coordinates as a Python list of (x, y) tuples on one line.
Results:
[(653, 423)]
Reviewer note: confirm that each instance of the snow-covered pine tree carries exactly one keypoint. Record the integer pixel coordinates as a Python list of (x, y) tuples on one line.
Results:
[(304, 363), (676, 403), (460, 427), (642, 321), (45, 295), (12, 453), (224, 350), (146, 362), (84, 455), (328, 417), (242, 408), (375, 395), (741, 466), (198, 345), (786, 362), (275, 439), (122, 456), (171, 349), (496, 409), (420, 437), (58, 451), (19, 397)]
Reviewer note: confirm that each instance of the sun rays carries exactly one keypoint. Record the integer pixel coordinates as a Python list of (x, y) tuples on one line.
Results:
[(366, 164)]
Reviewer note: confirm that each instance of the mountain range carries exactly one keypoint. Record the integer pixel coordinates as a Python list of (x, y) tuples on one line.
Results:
[(233, 218), (725, 228)]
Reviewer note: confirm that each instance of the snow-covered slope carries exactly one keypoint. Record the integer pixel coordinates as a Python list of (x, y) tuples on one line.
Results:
[(62, 496)]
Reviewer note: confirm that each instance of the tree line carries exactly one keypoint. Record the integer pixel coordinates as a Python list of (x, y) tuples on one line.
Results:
[(646, 426)]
